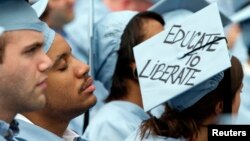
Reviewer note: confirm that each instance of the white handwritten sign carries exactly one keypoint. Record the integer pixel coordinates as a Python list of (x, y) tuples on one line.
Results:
[(182, 56)]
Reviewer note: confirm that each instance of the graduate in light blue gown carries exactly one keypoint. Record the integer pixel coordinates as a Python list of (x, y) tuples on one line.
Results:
[(123, 111), (69, 85), (57, 15), (23, 64), (188, 114), (29, 130), (167, 127), (79, 31)]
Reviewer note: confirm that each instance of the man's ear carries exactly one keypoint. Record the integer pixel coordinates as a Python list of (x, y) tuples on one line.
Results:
[(219, 108)]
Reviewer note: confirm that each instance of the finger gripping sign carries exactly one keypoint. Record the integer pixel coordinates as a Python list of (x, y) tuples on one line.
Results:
[(182, 56)]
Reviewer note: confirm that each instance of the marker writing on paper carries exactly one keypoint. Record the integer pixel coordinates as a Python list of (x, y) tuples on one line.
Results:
[(173, 74), (191, 39)]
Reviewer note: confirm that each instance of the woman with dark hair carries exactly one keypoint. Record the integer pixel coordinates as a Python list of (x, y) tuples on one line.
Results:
[(188, 122), (123, 112)]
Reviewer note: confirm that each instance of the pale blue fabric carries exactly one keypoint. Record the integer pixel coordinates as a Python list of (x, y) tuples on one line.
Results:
[(3, 128), (77, 123), (2, 139), (244, 109), (165, 6), (40, 6), (76, 34), (115, 121), (49, 36), (176, 16), (78, 29), (101, 93), (226, 6), (78, 50), (108, 27), (108, 32), (237, 5), (107, 40), (135, 136), (8, 132), (190, 97), (31, 132), (239, 49), (80, 139), (18, 15)]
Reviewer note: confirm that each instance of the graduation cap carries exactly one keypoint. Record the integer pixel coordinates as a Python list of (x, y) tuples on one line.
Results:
[(49, 36), (39, 6), (239, 4), (108, 32), (18, 15), (165, 6), (184, 62), (241, 15)]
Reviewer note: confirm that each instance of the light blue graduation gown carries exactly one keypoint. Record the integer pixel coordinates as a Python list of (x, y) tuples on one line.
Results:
[(31, 132), (115, 121), (78, 29), (76, 34), (101, 93), (239, 49), (5, 128), (135, 136), (2, 139)]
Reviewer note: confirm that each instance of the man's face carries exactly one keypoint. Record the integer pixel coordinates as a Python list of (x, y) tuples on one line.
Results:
[(70, 89), (22, 73), (61, 11)]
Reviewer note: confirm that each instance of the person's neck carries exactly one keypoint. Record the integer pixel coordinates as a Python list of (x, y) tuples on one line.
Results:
[(6, 114), (50, 123), (133, 93)]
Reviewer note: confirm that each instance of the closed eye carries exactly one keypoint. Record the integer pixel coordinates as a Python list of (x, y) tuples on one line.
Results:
[(62, 64)]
